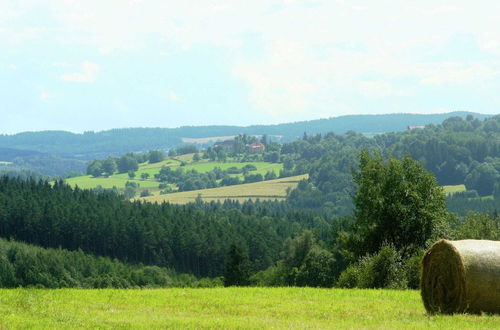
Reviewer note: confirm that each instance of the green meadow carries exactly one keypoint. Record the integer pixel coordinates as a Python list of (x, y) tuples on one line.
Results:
[(248, 308), (119, 180)]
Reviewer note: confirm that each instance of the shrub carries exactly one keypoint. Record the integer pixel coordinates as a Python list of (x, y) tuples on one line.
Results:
[(145, 193), (233, 170), (249, 167), (349, 277), (382, 270), (413, 270)]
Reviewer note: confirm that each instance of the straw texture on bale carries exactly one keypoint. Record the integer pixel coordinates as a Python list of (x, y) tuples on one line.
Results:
[(461, 277)]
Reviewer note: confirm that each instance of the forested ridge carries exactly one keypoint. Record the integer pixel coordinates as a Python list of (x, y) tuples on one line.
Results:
[(116, 142), (458, 151)]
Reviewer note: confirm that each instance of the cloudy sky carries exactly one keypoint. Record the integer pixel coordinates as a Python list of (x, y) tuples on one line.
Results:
[(95, 64)]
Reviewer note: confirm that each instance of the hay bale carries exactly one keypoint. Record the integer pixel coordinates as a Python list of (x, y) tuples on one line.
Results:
[(461, 277)]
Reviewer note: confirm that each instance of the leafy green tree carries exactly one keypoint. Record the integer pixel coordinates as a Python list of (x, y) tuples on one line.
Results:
[(145, 193), (237, 267), (127, 163), (109, 166), (270, 175), (131, 174), (316, 269), (155, 156), (144, 176), (479, 226), (196, 157), (482, 179), (95, 168), (397, 203)]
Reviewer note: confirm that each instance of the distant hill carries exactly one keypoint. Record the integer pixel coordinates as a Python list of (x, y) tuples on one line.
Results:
[(93, 145)]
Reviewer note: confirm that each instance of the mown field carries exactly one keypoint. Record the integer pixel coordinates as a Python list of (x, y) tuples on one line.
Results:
[(454, 189), (263, 190), (250, 308)]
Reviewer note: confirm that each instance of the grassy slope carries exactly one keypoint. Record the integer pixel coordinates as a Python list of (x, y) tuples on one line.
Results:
[(225, 308), (119, 180), (264, 190), (454, 189)]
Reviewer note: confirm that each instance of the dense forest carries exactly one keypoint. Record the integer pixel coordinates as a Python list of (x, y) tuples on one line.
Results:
[(188, 238), (458, 151)]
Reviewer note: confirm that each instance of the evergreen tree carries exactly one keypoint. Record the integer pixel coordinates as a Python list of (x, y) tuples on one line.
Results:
[(237, 268)]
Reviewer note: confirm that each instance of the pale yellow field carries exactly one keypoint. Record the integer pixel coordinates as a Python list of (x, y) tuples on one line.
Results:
[(264, 190), (454, 189)]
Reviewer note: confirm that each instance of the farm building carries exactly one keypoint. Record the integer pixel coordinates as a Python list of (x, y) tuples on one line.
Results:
[(256, 148)]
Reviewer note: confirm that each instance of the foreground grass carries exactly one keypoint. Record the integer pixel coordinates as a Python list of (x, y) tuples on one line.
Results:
[(225, 308), (263, 190)]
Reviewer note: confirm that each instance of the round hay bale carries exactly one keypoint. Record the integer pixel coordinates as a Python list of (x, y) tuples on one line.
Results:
[(461, 277)]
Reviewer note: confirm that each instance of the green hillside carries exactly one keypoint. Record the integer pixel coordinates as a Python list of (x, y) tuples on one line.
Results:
[(184, 162)]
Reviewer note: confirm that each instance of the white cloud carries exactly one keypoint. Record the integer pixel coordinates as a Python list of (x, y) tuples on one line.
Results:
[(172, 96), (45, 96), (452, 73), (12, 67), (88, 73)]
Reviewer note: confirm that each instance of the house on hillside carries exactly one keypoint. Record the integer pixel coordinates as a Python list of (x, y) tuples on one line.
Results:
[(256, 148), (411, 128), (227, 146)]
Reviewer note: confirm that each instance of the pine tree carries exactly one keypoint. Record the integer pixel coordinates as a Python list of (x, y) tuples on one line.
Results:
[(237, 268)]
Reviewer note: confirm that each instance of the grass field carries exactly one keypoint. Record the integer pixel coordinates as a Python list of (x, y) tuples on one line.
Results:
[(264, 190), (250, 308), (119, 180), (453, 189)]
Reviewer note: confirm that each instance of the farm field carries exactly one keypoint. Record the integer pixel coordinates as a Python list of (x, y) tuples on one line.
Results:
[(119, 180), (87, 182), (454, 189), (264, 190), (226, 308)]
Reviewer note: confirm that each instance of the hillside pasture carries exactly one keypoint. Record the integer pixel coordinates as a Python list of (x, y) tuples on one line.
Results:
[(249, 308), (118, 180), (264, 190), (453, 189)]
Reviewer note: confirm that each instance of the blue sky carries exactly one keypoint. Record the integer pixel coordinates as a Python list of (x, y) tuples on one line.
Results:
[(94, 65)]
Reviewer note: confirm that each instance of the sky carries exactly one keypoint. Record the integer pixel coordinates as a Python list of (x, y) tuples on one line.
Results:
[(95, 65)]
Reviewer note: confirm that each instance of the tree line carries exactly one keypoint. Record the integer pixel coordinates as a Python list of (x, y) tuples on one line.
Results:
[(23, 265)]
